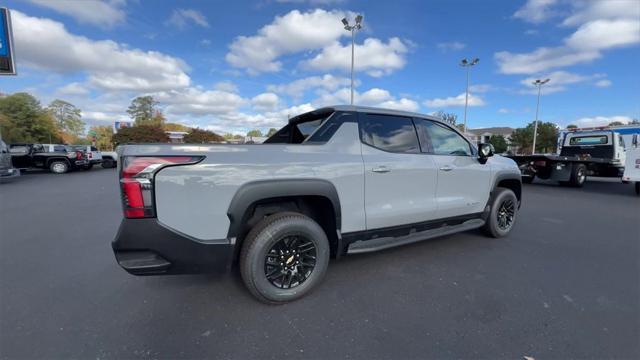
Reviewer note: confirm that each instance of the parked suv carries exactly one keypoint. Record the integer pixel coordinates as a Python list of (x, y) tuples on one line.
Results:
[(335, 181), (7, 171)]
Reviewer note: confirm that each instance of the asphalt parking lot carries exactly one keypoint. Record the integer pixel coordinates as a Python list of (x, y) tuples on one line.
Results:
[(564, 284)]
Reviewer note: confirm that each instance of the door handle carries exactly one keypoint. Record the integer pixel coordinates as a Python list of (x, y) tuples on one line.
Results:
[(380, 169), (446, 168)]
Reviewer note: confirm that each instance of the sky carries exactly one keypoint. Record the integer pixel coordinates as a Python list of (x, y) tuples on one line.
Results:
[(233, 66)]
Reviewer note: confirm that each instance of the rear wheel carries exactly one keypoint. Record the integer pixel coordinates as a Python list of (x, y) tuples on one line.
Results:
[(108, 163), (284, 257), (578, 175), (638, 188), (59, 167), (503, 213)]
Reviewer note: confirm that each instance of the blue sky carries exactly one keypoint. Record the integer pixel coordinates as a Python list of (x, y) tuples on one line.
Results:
[(238, 65)]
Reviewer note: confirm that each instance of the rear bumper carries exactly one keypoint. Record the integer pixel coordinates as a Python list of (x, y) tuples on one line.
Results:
[(145, 247)]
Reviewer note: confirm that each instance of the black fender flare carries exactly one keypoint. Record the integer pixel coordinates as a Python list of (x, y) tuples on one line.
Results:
[(498, 178), (255, 191)]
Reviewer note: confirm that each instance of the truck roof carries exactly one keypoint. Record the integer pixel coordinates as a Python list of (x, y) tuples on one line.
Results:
[(356, 108)]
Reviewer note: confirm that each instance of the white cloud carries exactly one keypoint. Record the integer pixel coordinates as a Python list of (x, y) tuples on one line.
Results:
[(110, 65), (480, 88), (601, 25), (601, 120), (265, 101), (196, 101), (455, 46), (182, 17), (73, 89), (536, 11), (96, 12), (558, 82), (287, 34), (297, 88), (227, 86), (373, 56), (103, 118), (205, 42), (375, 97), (503, 111), (452, 101), (603, 83)]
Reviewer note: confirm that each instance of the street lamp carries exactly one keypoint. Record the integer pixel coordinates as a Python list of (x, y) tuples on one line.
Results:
[(539, 84), (467, 64), (352, 29)]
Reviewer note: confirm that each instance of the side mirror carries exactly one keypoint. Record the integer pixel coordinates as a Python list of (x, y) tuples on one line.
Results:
[(485, 151)]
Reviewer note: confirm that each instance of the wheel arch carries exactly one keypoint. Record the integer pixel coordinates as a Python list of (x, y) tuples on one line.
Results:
[(509, 181), (315, 198), (50, 160)]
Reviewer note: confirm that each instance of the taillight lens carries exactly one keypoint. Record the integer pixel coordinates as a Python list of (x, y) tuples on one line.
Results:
[(78, 155), (136, 181)]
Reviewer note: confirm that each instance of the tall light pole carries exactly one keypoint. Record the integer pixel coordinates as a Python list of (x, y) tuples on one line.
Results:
[(352, 29), (467, 64), (539, 84)]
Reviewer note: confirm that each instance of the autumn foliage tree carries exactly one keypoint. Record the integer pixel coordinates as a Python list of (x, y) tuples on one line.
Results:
[(201, 136), (140, 134)]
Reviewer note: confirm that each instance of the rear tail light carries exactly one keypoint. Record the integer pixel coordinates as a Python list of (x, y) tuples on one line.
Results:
[(137, 180), (90, 155), (78, 155)]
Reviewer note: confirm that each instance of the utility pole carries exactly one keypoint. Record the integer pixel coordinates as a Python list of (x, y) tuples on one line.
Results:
[(352, 29), (539, 84), (467, 64)]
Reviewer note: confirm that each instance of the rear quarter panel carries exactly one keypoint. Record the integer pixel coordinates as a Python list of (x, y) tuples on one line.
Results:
[(194, 199)]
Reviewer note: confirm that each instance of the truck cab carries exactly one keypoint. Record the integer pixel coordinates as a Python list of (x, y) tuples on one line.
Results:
[(604, 144)]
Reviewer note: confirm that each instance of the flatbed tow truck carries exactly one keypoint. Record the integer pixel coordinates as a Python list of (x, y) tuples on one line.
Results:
[(583, 153)]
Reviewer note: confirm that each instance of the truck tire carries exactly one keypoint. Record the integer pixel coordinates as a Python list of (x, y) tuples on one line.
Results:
[(578, 175), (528, 179), (58, 166), (284, 257), (108, 163), (502, 217), (638, 188)]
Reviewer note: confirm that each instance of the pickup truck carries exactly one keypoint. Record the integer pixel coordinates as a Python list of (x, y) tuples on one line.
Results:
[(335, 181), (582, 154), (59, 161)]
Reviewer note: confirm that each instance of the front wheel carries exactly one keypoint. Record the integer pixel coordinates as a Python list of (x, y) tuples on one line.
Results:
[(108, 163), (284, 257), (502, 216), (59, 167)]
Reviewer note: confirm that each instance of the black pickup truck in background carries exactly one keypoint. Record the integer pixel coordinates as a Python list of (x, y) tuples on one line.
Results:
[(30, 156)]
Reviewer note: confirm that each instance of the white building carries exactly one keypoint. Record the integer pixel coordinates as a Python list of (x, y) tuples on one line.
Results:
[(484, 134)]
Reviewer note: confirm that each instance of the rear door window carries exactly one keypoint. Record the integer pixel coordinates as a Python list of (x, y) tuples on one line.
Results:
[(589, 140), (389, 133)]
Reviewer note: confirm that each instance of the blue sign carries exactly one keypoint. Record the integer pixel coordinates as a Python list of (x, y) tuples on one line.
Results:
[(7, 66)]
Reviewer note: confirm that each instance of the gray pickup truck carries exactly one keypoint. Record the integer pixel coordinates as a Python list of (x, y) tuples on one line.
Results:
[(334, 181)]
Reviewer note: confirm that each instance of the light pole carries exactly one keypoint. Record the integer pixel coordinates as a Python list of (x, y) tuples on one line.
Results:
[(467, 64), (352, 29), (539, 84)]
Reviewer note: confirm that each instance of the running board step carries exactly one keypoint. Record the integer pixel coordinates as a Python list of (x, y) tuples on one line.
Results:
[(360, 247)]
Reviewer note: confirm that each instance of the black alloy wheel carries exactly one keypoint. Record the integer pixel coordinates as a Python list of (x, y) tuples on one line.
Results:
[(506, 214), (290, 262)]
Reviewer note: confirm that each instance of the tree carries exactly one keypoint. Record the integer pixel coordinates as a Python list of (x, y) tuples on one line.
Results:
[(67, 116), (104, 137), (202, 136), (24, 120), (255, 133), (572, 126), (140, 134), (546, 140), (157, 119), (499, 143), (142, 110), (616, 123), (449, 118), (271, 132), (175, 127)]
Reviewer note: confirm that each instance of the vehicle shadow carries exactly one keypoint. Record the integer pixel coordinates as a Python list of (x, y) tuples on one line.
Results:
[(592, 185)]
